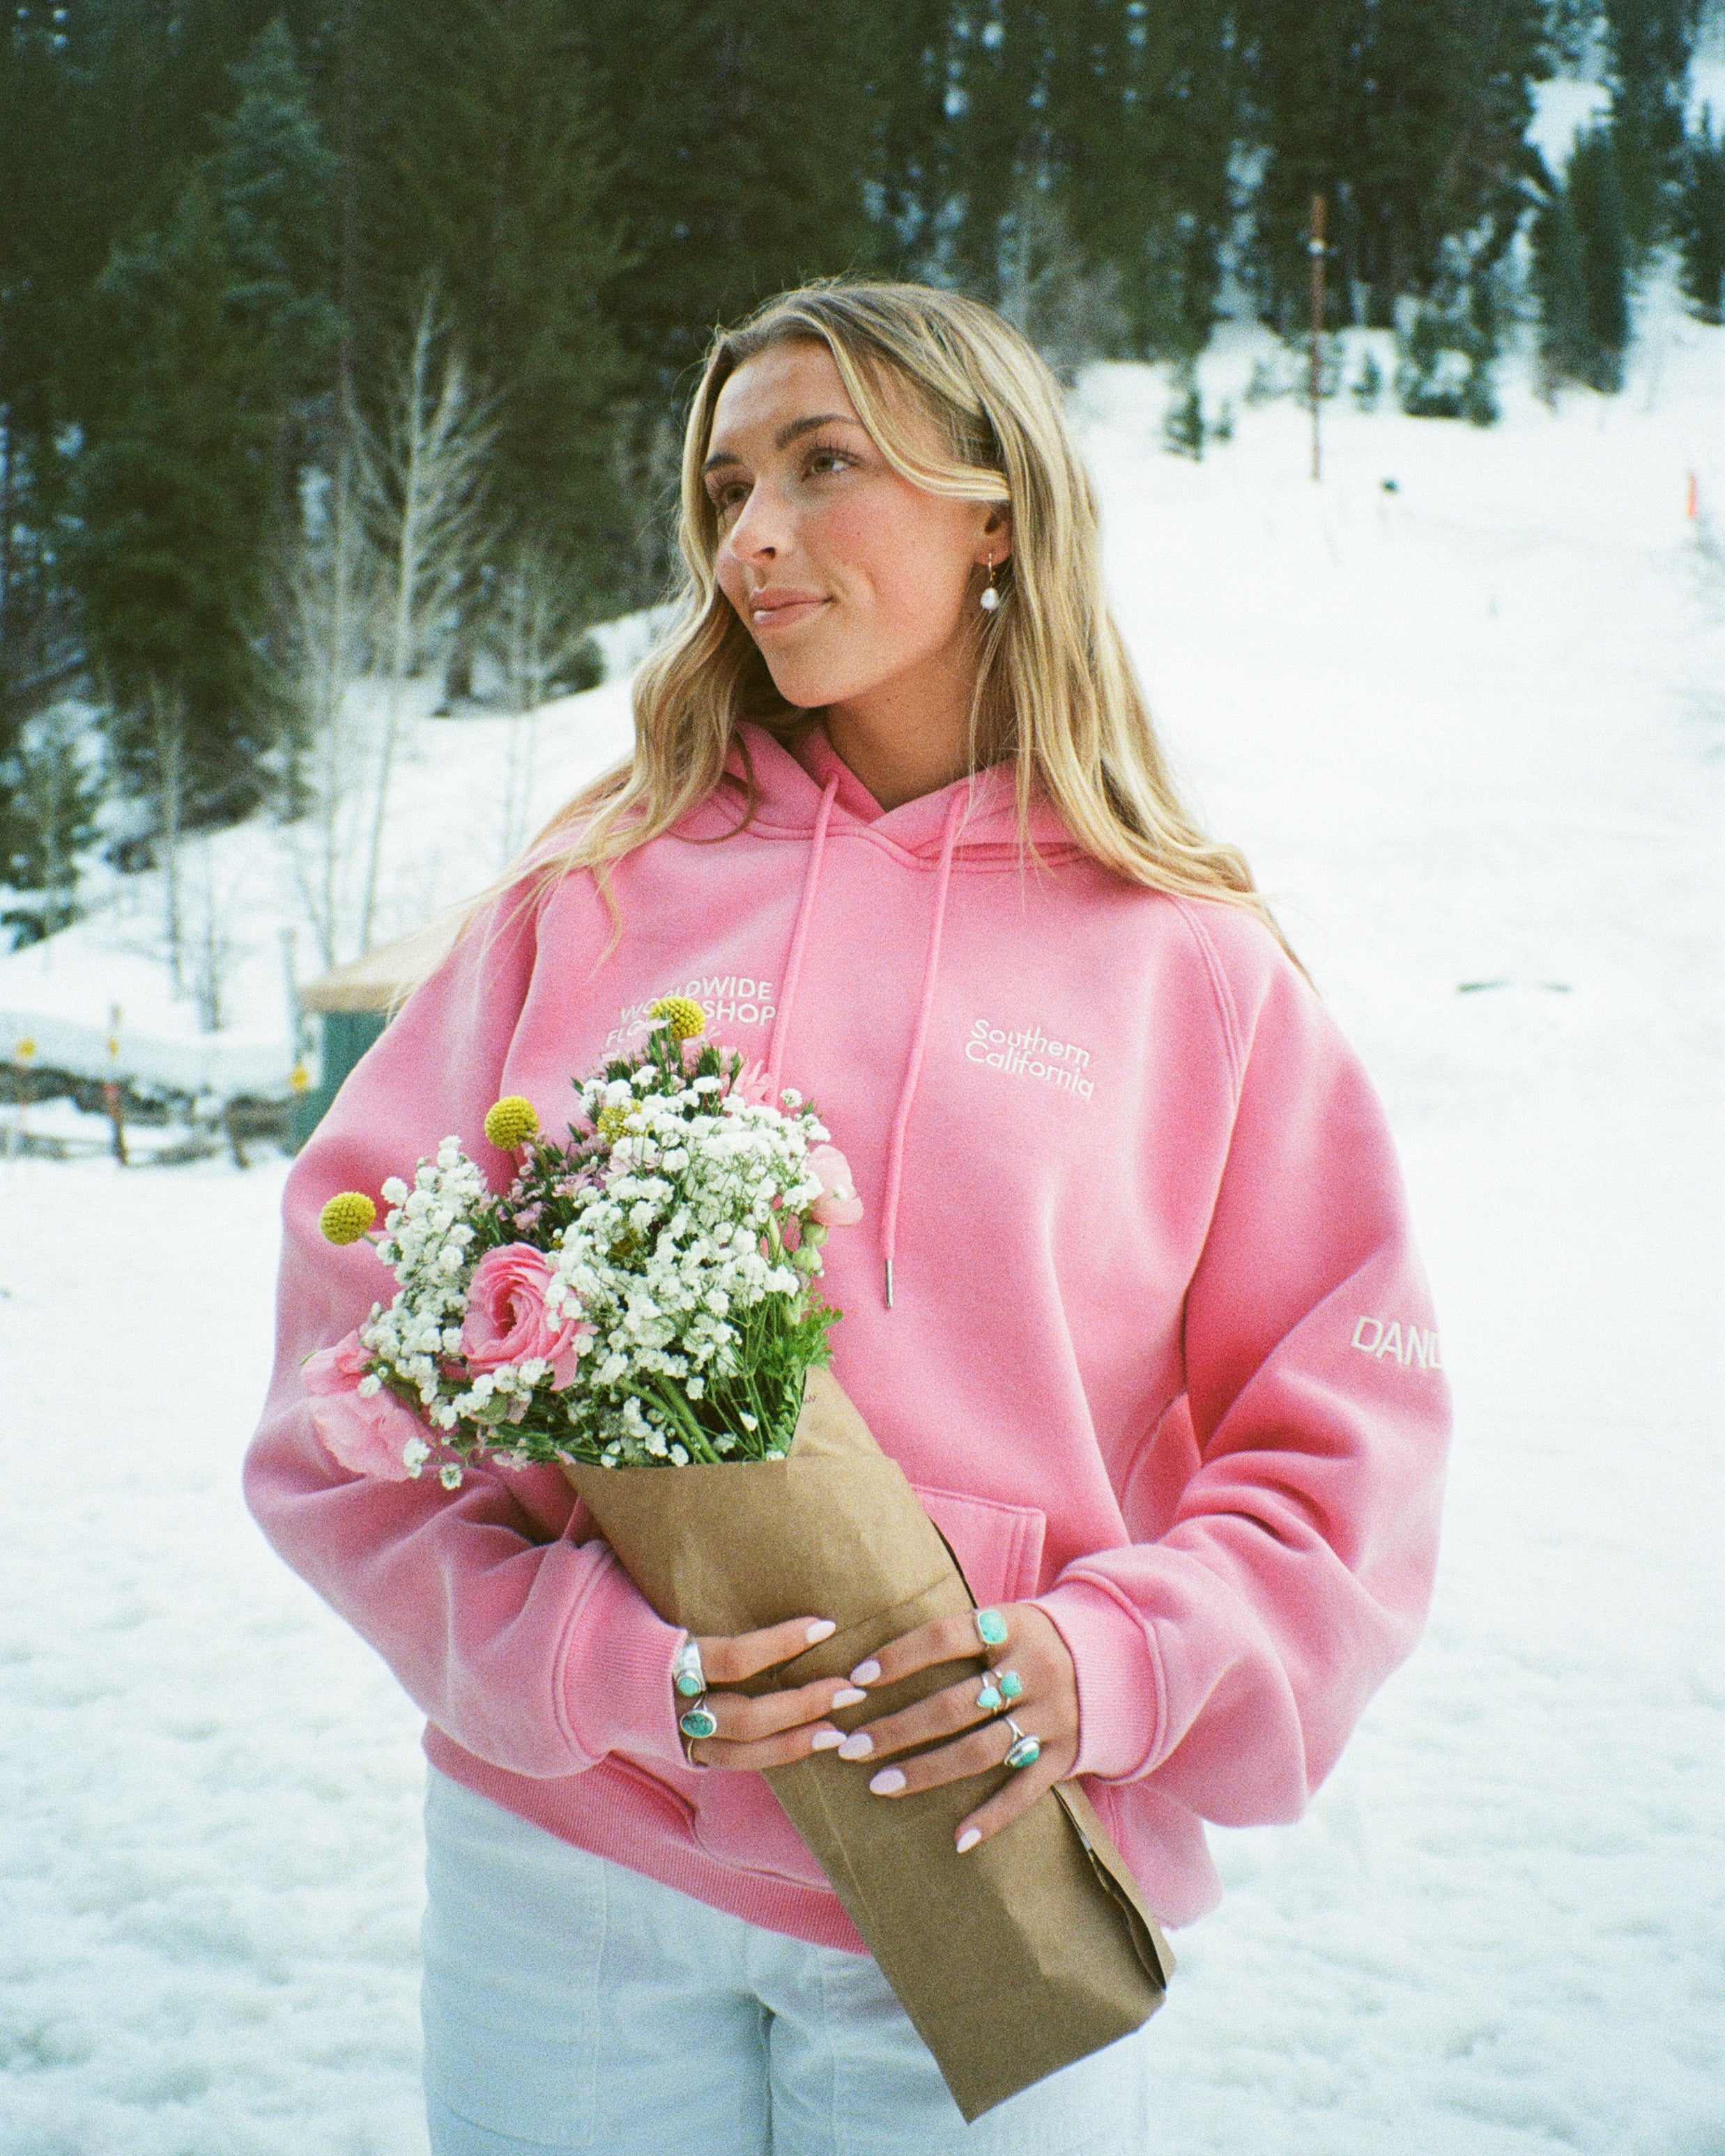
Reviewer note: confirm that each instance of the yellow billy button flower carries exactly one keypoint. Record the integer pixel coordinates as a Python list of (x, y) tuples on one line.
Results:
[(688, 1021), (347, 1216), (510, 1122), (612, 1120)]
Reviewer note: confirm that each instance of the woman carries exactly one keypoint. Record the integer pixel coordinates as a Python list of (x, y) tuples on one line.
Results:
[(1133, 1302)]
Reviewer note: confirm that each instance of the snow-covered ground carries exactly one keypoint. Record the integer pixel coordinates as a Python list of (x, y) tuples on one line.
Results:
[(1471, 732)]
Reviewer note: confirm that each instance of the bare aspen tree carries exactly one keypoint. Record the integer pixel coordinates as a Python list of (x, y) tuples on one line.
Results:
[(211, 947), (327, 595), (167, 731), (537, 633), (423, 485)]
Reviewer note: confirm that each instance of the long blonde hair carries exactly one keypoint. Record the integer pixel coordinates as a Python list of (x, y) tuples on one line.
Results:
[(1054, 689)]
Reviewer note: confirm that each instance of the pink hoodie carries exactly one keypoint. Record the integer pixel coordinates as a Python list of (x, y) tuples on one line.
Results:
[(1159, 1354)]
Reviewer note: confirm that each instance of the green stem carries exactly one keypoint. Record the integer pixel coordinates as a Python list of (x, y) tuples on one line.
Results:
[(699, 1442)]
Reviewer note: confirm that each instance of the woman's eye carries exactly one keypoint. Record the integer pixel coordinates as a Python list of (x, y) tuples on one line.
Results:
[(728, 497), (827, 460)]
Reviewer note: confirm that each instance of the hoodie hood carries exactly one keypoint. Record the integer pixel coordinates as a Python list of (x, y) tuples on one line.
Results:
[(791, 780)]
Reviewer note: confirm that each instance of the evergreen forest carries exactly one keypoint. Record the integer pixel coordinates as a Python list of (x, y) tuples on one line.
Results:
[(343, 337)]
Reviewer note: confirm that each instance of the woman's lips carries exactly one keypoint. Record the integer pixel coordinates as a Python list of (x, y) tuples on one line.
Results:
[(768, 610)]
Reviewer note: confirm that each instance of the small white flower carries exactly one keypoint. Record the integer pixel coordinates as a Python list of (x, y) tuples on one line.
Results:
[(450, 1474)]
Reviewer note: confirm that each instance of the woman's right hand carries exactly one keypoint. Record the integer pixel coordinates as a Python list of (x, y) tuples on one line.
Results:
[(774, 1728)]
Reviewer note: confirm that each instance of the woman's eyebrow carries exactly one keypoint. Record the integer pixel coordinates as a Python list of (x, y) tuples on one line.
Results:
[(786, 435)]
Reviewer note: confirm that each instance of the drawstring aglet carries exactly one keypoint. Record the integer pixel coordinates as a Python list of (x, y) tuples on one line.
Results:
[(889, 1283)]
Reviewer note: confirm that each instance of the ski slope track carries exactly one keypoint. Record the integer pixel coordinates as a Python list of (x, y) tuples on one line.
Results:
[(1470, 732)]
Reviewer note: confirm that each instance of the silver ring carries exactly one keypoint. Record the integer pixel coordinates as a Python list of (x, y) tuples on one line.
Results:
[(1023, 1751), (686, 1673), (990, 1699)]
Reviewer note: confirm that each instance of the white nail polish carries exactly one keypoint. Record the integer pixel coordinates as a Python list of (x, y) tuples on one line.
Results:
[(887, 1782), (857, 1746), (850, 1697), (823, 1740), (822, 1628), (865, 1672), (968, 1840)]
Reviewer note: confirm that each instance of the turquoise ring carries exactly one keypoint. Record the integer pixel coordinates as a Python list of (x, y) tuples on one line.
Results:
[(686, 1673), (1023, 1751), (991, 1628), (990, 1699), (698, 1721), (1011, 1684)]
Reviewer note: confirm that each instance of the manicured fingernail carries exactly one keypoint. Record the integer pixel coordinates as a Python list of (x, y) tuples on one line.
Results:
[(865, 1672), (857, 1746), (887, 1782), (822, 1628), (823, 1740), (968, 1840), (850, 1697)]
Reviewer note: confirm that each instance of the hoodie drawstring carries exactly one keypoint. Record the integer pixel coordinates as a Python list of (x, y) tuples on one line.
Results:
[(913, 1067), (799, 935), (913, 1063)]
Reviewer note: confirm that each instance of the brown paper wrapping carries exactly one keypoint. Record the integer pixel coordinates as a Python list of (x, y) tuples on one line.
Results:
[(1032, 1950)]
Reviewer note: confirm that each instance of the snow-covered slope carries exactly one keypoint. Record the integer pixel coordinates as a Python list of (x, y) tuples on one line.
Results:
[(447, 836), (1471, 732)]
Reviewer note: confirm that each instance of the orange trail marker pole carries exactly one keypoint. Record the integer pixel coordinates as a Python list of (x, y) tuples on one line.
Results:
[(1315, 247), (1692, 507)]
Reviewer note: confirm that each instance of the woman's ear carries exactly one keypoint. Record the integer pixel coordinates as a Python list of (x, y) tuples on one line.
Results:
[(997, 537)]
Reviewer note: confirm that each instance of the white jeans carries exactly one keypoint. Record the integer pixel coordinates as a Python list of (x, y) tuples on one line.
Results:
[(572, 2005)]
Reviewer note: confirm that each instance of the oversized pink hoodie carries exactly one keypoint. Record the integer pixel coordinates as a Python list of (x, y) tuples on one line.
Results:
[(1158, 1351)]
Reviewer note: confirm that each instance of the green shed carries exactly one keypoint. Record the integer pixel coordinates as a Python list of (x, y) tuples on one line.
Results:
[(354, 1003)]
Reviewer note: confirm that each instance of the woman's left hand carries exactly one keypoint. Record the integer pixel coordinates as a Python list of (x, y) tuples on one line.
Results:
[(1046, 1708)]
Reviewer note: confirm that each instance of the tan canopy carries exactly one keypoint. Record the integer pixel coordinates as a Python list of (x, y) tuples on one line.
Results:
[(383, 978)]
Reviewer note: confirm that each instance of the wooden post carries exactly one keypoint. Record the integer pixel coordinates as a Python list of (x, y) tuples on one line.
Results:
[(1315, 247), (113, 1094)]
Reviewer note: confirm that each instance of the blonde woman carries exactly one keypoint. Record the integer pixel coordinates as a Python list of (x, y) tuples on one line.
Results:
[(1132, 1301)]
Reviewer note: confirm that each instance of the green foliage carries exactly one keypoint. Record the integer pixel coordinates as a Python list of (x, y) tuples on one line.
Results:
[(48, 818), (273, 181), (1368, 389), (1650, 45), (1700, 223), (1581, 270), (1182, 425), (173, 496), (1447, 343), (1410, 118)]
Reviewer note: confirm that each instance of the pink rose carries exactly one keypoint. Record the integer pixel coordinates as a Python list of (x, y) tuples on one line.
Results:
[(838, 1205), (506, 1318), (754, 1084), (364, 1434)]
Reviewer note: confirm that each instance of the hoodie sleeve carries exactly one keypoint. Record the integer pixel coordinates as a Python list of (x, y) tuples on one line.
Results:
[(1228, 1661), (534, 1651)]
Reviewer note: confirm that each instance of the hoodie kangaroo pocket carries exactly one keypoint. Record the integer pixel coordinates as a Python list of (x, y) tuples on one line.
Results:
[(999, 1547)]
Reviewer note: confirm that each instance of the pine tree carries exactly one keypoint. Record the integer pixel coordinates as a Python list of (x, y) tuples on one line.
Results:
[(1701, 223), (1581, 267), (272, 180), (172, 498), (1651, 44), (1410, 116)]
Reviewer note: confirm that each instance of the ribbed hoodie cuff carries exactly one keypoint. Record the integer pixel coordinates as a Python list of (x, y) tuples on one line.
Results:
[(618, 1695), (1118, 1686)]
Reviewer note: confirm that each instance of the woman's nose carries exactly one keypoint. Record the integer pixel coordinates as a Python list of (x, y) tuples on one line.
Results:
[(758, 533)]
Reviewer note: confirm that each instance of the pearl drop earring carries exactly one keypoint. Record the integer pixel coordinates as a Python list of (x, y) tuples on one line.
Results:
[(990, 597)]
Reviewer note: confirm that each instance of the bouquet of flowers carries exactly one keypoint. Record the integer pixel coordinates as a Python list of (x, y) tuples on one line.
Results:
[(646, 1296)]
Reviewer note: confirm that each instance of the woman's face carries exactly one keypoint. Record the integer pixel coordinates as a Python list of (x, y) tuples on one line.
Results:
[(851, 580)]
